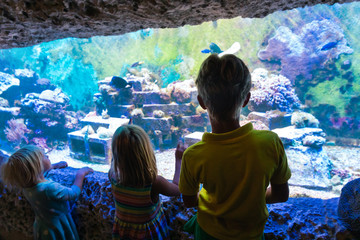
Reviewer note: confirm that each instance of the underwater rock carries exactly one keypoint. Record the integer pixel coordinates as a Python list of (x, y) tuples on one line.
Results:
[(158, 114), (310, 167), (272, 119), (183, 92), (272, 92), (27, 79), (292, 136), (313, 141), (9, 88), (4, 103), (304, 119), (316, 44), (104, 132), (345, 65), (56, 96), (137, 113), (87, 130), (349, 206)]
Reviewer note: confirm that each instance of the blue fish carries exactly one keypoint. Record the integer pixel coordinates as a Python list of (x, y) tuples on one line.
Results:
[(329, 46), (206, 50), (213, 49)]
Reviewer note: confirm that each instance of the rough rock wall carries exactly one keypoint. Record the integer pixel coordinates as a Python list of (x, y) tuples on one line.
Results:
[(28, 22), (298, 218)]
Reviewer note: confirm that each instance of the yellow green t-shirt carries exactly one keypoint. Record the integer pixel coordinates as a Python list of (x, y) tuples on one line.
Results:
[(235, 169)]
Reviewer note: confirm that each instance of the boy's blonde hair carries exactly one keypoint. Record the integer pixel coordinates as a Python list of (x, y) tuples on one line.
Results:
[(24, 168), (223, 84), (133, 162)]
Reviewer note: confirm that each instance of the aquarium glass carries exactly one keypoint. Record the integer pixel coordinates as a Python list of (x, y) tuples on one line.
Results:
[(68, 96)]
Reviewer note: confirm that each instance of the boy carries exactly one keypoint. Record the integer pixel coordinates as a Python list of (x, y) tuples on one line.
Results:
[(235, 164)]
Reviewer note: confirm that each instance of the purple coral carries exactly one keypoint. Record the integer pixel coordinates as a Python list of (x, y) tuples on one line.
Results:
[(16, 131), (272, 92)]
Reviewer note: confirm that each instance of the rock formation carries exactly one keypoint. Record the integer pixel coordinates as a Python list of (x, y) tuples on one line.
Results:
[(29, 22)]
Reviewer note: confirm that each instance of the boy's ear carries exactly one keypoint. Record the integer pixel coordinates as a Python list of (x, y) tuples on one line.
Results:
[(201, 102), (247, 99)]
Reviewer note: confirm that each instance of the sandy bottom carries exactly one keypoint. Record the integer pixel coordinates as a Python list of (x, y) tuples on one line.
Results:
[(342, 158)]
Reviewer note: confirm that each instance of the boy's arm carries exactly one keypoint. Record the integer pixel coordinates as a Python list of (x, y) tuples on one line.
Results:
[(277, 193), (190, 201)]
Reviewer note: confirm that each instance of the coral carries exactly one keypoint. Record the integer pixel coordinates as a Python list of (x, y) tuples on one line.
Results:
[(158, 114), (181, 92), (137, 113), (40, 142), (317, 43), (16, 131), (303, 119), (87, 129), (4, 102), (105, 132), (272, 92)]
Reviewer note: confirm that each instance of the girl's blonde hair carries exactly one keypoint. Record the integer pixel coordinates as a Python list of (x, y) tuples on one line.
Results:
[(133, 162), (24, 168)]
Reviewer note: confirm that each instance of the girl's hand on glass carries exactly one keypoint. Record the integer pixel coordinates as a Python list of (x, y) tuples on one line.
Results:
[(59, 165)]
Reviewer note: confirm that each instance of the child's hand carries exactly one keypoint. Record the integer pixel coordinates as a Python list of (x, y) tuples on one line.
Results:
[(85, 171), (180, 149), (58, 165)]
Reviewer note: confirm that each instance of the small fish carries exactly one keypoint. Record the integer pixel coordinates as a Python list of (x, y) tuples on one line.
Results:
[(329, 46), (215, 48), (136, 64), (119, 83), (206, 50)]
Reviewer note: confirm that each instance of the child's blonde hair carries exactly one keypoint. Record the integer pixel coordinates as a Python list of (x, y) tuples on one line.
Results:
[(133, 162), (24, 168), (223, 84)]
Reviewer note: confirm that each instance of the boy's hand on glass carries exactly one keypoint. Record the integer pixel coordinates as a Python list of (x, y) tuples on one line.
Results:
[(59, 165)]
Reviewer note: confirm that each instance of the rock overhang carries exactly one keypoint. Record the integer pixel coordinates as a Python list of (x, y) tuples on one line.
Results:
[(29, 22)]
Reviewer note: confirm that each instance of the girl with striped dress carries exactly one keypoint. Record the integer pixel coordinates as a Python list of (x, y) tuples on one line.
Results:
[(136, 186)]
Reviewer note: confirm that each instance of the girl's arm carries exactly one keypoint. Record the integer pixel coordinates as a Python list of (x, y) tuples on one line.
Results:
[(163, 186), (56, 191), (80, 175)]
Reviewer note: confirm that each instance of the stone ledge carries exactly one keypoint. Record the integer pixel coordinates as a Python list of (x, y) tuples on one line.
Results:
[(298, 218)]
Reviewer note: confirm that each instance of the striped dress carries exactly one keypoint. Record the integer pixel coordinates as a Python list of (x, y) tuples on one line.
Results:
[(136, 216)]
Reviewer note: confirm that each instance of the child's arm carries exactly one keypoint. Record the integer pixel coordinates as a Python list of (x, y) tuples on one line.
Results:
[(80, 175), (56, 191), (190, 201), (277, 193), (58, 165), (163, 186)]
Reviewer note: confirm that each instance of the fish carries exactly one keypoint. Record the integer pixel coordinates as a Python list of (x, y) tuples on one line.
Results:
[(119, 83), (206, 50), (328, 46), (215, 48), (235, 47), (135, 64)]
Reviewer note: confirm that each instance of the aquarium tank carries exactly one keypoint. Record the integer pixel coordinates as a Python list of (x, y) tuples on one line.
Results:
[(68, 96)]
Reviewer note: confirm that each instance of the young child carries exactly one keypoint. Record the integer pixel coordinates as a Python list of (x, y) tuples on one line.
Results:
[(234, 163), (136, 186), (25, 169)]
